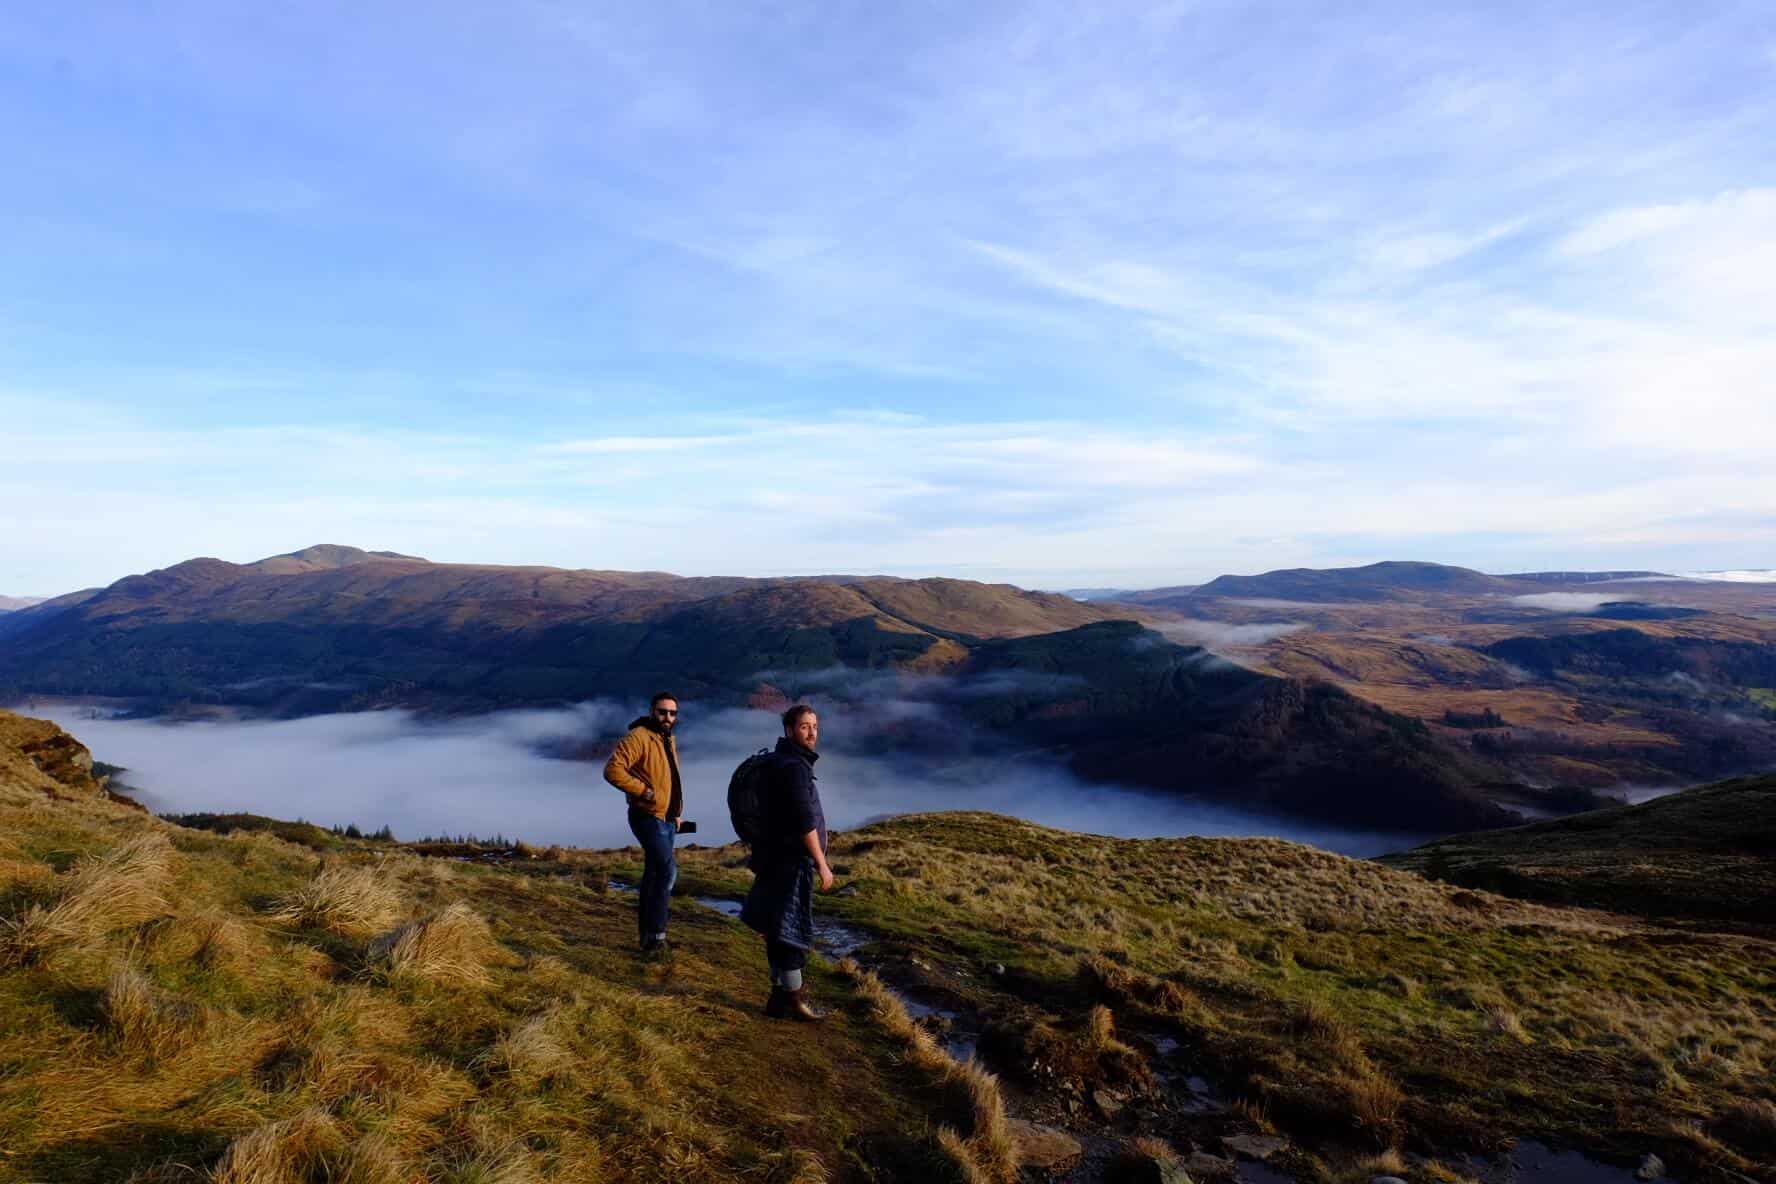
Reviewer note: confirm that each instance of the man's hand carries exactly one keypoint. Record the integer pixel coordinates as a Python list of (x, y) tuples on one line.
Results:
[(811, 844), (645, 800)]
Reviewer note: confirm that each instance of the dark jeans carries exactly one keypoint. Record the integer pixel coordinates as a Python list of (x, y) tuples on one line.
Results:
[(659, 871)]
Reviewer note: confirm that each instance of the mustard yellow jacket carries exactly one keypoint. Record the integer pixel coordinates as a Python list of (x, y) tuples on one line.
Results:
[(644, 760)]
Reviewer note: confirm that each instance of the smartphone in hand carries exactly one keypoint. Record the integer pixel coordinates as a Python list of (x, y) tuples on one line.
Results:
[(686, 827)]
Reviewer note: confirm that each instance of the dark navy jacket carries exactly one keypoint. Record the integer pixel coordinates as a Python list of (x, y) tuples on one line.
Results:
[(791, 800), (781, 903)]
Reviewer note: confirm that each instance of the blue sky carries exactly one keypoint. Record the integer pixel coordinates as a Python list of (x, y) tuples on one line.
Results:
[(1058, 294)]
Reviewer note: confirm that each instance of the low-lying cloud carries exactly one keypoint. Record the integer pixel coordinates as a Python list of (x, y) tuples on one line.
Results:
[(488, 774), (1751, 576), (1565, 602), (1215, 635)]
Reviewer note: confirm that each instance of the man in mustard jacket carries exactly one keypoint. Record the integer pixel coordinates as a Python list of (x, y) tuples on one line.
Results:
[(644, 766)]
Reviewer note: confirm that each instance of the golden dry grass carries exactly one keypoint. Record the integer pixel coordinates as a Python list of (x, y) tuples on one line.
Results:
[(118, 889), (535, 1051), (143, 1019), (297, 1148), (510, 1164), (987, 1152), (374, 1159), (157, 1024), (350, 900), (454, 946), (1152, 1148)]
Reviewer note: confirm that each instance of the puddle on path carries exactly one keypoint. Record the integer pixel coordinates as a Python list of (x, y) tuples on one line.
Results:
[(831, 938), (836, 940), (727, 908), (959, 1043), (1189, 1092), (1530, 1162)]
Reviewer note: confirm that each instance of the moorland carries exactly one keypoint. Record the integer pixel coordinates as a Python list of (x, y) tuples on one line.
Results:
[(248, 1000)]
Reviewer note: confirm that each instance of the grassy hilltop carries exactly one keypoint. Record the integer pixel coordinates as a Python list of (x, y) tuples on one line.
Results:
[(183, 1005), (180, 1004), (1344, 1003)]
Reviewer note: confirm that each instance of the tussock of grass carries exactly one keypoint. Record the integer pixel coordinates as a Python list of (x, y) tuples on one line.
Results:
[(374, 1159), (22, 873), (505, 1165), (1373, 1101), (454, 946), (550, 974), (298, 1148), (986, 1153), (1751, 1126), (119, 889), (1101, 977), (143, 1019), (961, 1157), (224, 942), (1366, 1168), (535, 1051), (351, 901), (1152, 1148), (1322, 1036), (1506, 1022)]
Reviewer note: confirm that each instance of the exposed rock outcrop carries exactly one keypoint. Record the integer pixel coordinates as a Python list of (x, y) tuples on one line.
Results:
[(36, 756)]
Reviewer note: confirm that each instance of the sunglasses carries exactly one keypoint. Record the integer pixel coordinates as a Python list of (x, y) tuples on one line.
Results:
[(663, 711)]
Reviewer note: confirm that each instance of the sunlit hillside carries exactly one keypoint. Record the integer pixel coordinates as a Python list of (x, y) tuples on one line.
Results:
[(259, 1001), (183, 1005)]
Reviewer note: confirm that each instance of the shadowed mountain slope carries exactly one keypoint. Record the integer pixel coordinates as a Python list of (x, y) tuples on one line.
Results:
[(1706, 854), (1377, 581), (342, 627), (1126, 705), (1576, 682)]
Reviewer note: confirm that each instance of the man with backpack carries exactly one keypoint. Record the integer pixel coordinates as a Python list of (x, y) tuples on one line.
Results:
[(644, 765), (776, 809)]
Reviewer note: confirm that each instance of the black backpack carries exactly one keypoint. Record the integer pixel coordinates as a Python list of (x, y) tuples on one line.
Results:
[(746, 807)]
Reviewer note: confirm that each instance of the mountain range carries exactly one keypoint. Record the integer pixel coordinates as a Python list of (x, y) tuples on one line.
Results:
[(336, 628), (1406, 695)]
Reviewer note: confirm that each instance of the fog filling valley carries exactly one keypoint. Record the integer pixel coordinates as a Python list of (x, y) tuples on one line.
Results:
[(489, 774)]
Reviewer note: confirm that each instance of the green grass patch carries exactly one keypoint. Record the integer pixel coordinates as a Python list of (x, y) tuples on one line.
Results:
[(1434, 1012)]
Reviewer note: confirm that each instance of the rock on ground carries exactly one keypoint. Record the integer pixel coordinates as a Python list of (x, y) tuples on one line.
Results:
[(1258, 1147), (1044, 1150)]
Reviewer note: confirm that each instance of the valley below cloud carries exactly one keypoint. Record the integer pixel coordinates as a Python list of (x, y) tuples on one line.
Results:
[(491, 774)]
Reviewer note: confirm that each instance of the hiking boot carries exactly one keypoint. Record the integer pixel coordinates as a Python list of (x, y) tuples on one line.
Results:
[(796, 1007), (774, 1006), (656, 948)]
